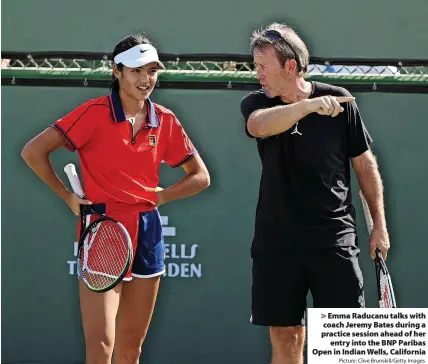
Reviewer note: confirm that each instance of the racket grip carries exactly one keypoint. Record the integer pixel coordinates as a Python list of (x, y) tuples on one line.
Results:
[(70, 171)]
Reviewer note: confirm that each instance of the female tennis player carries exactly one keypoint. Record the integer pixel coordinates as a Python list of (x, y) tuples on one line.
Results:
[(121, 140)]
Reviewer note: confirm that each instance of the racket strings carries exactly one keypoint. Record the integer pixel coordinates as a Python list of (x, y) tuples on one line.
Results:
[(105, 254), (109, 254), (108, 247), (384, 291)]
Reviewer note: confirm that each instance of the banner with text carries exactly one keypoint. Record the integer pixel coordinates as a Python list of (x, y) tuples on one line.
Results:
[(371, 336)]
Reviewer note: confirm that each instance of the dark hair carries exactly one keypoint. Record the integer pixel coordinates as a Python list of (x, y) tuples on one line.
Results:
[(288, 45), (126, 43)]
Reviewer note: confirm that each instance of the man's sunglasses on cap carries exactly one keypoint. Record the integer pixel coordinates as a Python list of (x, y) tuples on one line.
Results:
[(274, 35)]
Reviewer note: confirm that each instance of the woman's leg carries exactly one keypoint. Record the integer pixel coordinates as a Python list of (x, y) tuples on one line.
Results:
[(139, 295), (135, 312), (98, 318)]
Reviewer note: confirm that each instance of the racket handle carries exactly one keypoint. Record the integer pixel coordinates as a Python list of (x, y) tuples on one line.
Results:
[(367, 215), (70, 171)]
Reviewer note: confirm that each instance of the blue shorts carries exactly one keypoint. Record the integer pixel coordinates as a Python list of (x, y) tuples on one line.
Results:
[(145, 231), (149, 257)]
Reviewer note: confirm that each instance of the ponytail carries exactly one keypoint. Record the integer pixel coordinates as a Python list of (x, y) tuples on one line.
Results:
[(114, 84)]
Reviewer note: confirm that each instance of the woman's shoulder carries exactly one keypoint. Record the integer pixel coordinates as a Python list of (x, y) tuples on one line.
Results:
[(160, 109), (101, 101), (165, 115)]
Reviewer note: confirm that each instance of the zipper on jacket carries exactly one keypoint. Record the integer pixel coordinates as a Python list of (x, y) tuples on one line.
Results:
[(133, 137)]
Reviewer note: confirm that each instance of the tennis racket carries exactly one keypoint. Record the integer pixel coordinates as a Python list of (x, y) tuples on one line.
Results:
[(385, 289), (105, 248)]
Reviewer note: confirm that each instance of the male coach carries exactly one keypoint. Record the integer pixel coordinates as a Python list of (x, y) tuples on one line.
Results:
[(309, 135)]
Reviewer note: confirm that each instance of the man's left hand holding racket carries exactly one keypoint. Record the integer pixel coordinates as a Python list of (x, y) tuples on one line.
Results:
[(105, 247)]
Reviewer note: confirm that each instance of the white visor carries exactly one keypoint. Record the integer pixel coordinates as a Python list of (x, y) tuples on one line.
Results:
[(138, 56)]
